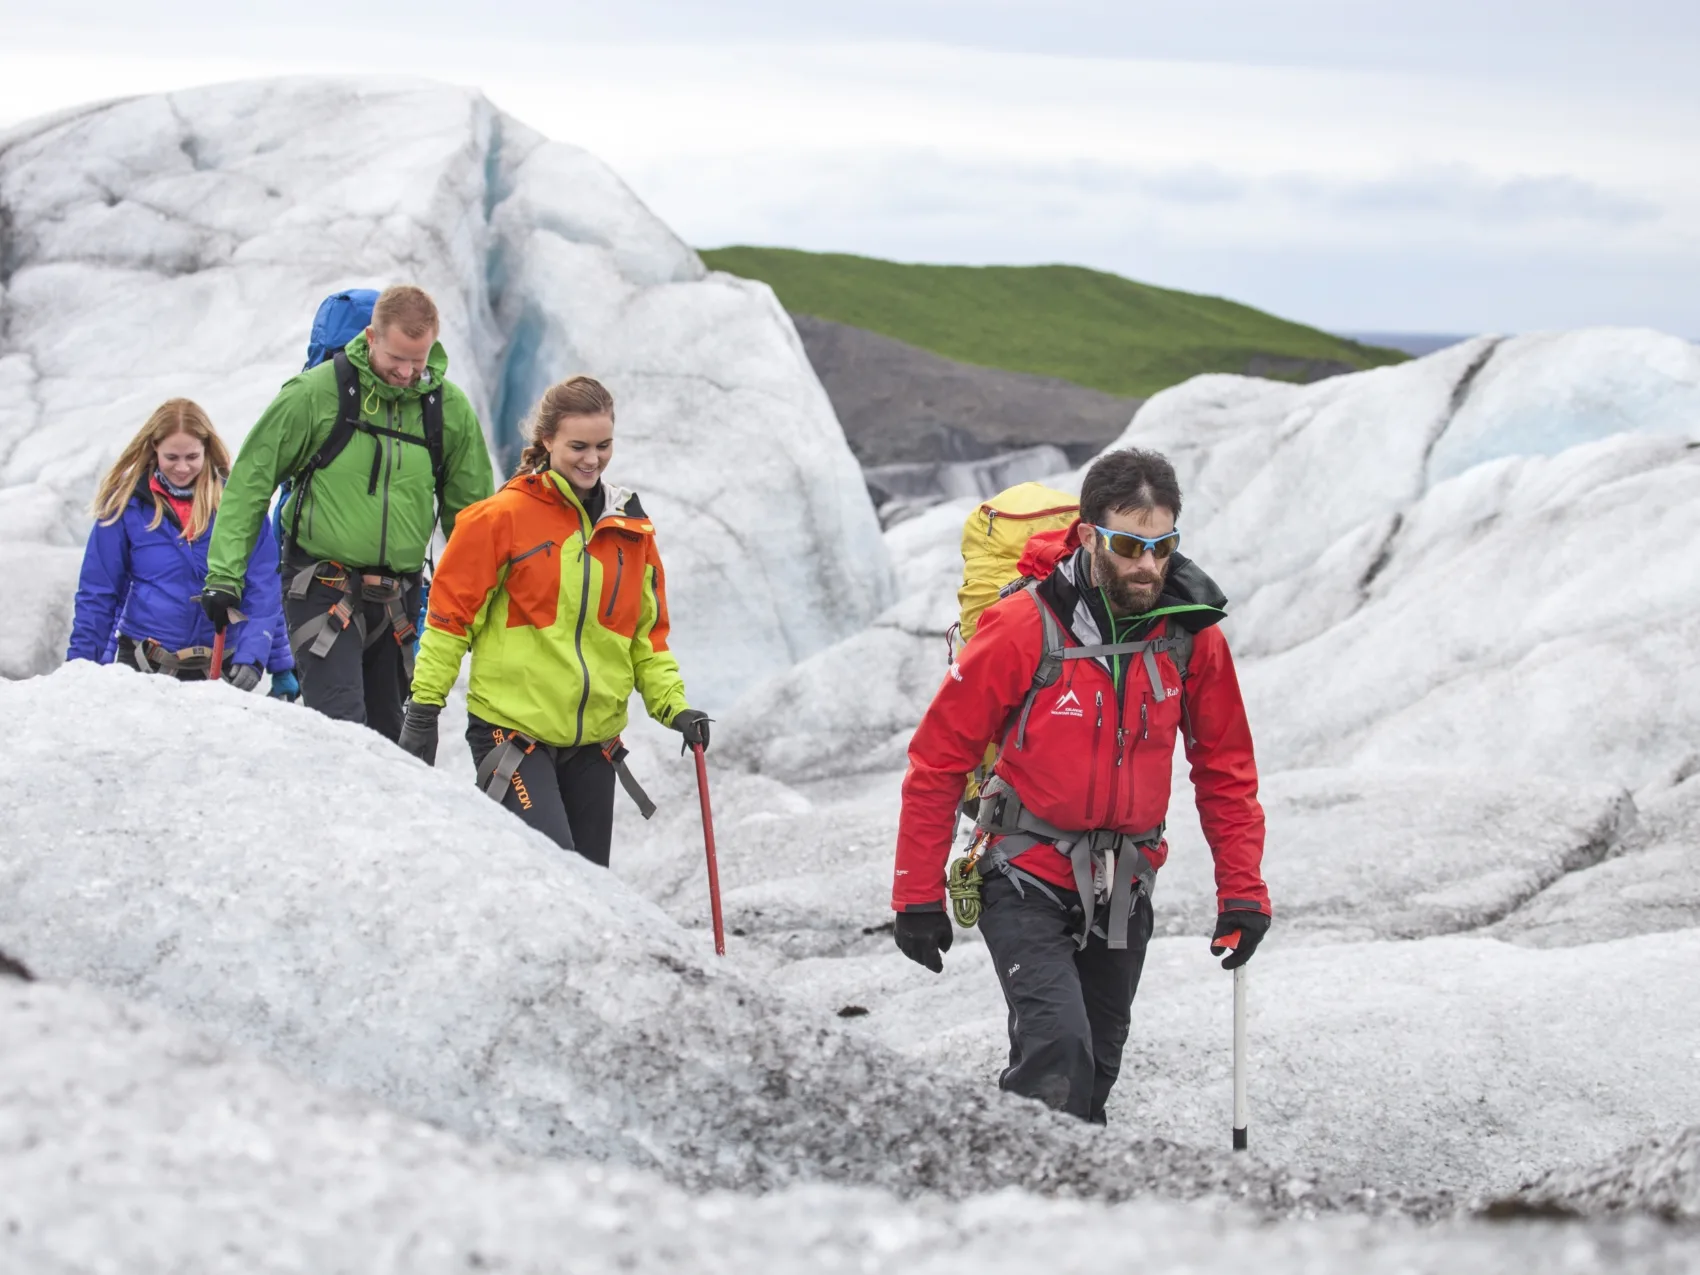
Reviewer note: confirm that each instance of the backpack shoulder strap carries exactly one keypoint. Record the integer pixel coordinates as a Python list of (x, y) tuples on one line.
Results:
[(349, 421), (432, 406), (342, 429), (1050, 660), (347, 415)]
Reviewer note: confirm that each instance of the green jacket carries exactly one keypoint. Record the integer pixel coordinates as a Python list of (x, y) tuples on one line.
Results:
[(341, 519)]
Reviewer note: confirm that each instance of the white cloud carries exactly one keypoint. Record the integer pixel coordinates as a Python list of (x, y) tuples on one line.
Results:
[(1144, 165)]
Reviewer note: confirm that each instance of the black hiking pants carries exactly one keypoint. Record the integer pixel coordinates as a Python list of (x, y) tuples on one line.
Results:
[(352, 682), (1069, 1007), (567, 794)]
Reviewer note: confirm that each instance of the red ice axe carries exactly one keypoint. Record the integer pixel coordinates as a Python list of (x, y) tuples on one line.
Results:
[(708, 844), (217, 669)]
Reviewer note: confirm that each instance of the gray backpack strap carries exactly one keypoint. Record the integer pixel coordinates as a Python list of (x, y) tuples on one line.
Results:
[(1051, 656), (1159, 692)]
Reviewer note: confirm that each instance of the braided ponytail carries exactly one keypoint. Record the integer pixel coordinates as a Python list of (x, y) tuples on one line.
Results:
[(575, 396)]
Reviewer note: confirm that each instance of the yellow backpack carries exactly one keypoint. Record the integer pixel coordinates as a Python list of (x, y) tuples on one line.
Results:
[(993, 539)]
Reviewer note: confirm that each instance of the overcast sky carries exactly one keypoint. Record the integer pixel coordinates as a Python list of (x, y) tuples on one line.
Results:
[(1441, 166)]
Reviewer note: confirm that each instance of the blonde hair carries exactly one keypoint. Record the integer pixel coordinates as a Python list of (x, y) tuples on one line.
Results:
[(575, 396), (408, 308), (141, 458)]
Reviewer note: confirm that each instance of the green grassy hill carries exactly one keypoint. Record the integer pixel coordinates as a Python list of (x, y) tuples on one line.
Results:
[(1094, 329)]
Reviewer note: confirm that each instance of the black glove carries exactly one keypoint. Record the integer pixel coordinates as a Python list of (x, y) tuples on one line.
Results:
[(244, 677), (220, 603), (419, 731), (692, 723), (1252, 926), (924, 936)]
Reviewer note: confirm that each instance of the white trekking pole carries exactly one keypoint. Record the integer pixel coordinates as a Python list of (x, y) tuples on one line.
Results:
[(1239, 1060), (1227, 943)]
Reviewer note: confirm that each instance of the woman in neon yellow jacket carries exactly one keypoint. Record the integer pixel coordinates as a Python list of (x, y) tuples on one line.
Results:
[(556, 585)]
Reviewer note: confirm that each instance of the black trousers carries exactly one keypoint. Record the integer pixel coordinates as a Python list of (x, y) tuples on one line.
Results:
[(1069, 1007), (351, 682), (567, 794)]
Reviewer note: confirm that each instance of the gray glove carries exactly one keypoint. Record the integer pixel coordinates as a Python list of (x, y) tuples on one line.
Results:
[(692, 723), (244, 677), (419, 731)]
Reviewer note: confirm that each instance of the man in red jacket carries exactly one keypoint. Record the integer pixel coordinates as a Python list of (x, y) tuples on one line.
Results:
[(1086, 677)]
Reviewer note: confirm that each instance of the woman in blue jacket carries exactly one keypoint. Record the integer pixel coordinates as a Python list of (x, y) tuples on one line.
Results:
[(147, 558)]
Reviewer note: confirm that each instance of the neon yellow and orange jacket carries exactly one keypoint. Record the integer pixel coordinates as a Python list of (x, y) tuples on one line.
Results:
[(564, 619)]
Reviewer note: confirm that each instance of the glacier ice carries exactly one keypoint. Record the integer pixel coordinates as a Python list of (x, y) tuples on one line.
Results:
[(1464, 606), (178, 244)]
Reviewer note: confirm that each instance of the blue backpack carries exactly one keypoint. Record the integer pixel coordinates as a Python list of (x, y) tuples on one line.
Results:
[(342, 316)]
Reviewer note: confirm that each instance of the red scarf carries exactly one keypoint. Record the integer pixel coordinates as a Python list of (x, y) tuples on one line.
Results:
[(180, 506)]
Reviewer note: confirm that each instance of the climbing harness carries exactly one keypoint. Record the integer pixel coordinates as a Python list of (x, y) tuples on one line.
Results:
[(616, 753), (1109, 866), (501, 764), (151, 657), (317, 635)]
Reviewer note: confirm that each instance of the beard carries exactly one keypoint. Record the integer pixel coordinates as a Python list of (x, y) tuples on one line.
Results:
[(1129, 594)]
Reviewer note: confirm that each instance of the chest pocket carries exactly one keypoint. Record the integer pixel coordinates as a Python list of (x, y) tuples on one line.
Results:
[(1160, 718), (533, 586), (623, 560)]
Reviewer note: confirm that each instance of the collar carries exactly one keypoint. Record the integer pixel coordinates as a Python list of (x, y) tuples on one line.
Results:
[(171, 489)]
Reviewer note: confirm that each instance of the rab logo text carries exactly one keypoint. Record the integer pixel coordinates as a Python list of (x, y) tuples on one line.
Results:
[(1067, 706), (956, 671)]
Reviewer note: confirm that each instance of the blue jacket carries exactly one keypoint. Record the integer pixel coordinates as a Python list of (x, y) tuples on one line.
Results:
[(282, 659), (142, 584)]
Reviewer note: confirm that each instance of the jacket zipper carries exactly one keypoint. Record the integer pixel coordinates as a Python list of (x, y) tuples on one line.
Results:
[(542, 548), (619, 573), (578, 633), (1092, 773), (384, 516)]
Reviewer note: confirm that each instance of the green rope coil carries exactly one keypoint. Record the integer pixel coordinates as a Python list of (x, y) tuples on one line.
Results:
[(962, 882)]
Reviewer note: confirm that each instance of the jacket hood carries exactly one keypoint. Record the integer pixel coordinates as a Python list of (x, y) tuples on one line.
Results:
[(550, 488), (1188, 586), (436, 371), (1190, 600)]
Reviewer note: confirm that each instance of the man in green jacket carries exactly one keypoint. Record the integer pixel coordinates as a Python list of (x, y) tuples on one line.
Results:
[(360, 515)]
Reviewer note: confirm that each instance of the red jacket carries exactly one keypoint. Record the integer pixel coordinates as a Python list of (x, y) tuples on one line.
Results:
[(1089, 760)]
